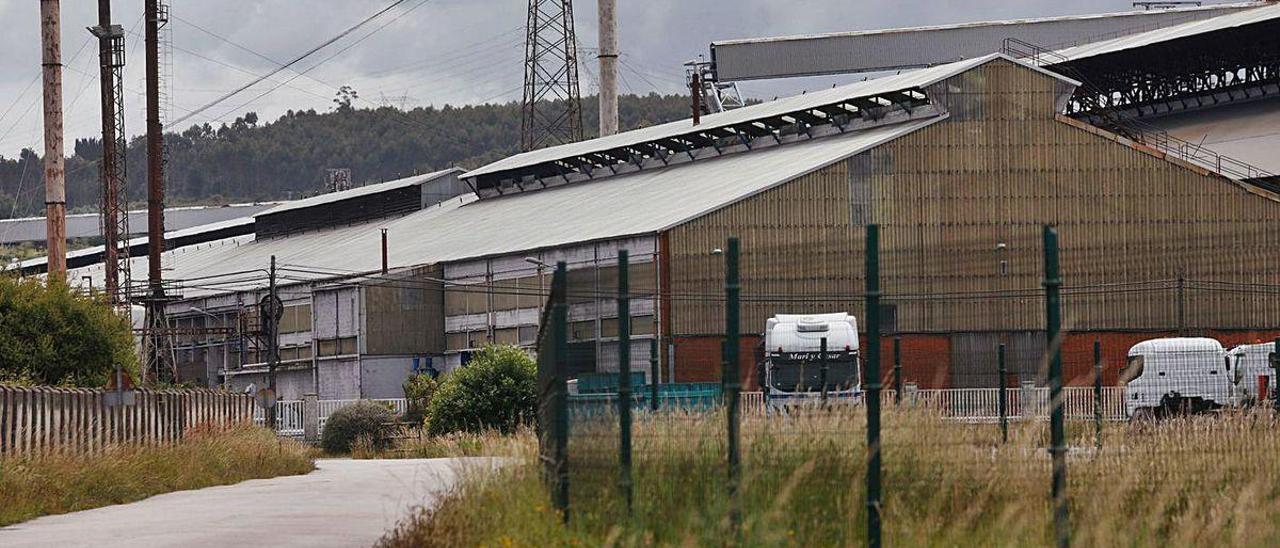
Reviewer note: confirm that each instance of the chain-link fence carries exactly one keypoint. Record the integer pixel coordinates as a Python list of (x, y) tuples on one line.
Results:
[(851, 429)]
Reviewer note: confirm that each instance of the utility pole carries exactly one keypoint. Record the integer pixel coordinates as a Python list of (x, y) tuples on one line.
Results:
[(552, 107), (608, 67), (55, 189), (157, 344), (271, 318), (155, 149), (114, 208), (695, 94)]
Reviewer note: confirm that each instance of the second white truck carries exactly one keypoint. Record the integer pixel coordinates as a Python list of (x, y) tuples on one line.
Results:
[(795, 366)]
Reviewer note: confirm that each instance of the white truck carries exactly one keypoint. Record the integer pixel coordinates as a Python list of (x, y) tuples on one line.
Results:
[(1192, 374), (1251, 370), (794, 364)]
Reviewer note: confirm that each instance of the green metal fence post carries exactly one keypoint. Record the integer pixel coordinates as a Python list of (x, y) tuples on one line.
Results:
[(873, 386), (1002, 401), (822, 356), (1097, 392), (624, 379), (653, 374), (560, 334), (897, 370), (732, 381), (1058, 450)]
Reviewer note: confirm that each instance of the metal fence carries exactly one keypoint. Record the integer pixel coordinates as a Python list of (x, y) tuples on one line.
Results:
[(291, 414), (43, 420), (1133, 422)]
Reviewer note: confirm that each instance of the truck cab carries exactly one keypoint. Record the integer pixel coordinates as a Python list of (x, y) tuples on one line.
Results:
[(1180, 374), (1250, 371), (795, 365)]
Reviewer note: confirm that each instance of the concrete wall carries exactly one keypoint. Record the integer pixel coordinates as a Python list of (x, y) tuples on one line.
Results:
[(339, 378), (384, 376)]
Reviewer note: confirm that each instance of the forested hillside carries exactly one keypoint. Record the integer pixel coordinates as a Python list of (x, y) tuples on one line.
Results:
[(252, 159)]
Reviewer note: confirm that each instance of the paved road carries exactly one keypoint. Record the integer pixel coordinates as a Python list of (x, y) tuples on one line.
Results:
[(343, 503)]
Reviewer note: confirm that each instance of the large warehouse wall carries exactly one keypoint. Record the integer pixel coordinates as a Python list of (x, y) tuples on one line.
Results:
[(1132, 225)]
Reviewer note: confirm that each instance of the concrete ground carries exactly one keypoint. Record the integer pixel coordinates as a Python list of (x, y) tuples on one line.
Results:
[(343, 503)]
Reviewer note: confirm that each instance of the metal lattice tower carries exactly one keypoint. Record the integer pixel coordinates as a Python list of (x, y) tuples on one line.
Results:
[(114, 209), (552, 112), (158, 336)]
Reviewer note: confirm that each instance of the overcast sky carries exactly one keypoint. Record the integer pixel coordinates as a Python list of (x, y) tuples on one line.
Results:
[(435, 52)]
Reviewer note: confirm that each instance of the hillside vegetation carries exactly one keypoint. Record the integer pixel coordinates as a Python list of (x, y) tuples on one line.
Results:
[(252, 159)]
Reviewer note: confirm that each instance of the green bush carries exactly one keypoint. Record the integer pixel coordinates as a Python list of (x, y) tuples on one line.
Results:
[(418, 391), (363, 419), (496, 390), (52, 334)]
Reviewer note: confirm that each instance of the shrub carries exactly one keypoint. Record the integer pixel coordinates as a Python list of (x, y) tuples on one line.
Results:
[(51, 334), (496, 390), (418, 391), (351, 422)]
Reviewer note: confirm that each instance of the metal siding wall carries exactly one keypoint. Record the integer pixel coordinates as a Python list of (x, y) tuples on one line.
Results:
[(947, 194), (405, 314), (797, 240)]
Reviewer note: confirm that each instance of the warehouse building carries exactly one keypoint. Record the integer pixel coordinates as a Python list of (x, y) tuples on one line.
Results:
[(960, 164)]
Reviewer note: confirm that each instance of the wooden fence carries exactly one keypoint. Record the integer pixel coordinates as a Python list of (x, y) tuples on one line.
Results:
[(45, 420)]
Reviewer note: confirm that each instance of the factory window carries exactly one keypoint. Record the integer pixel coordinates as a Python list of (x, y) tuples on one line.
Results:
[(327, 347), (582, 331), (860, 172), (296, 319), (608, 328), (582, 285), (642, 325), (347, 346), (455, 341), (336, 347), (529, 334), (477, 339), (506, 336)]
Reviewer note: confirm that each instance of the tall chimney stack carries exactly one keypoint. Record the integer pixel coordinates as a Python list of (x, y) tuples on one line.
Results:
[(155, 148), (55, 189), (608, 67)]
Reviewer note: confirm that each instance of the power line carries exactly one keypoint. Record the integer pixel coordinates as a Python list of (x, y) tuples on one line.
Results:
[(292, 62)]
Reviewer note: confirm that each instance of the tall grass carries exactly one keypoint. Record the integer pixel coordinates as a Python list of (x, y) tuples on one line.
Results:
[(1190, 481), (56, 484)]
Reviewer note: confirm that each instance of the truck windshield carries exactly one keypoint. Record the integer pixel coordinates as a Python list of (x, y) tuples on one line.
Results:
[(1132, 369), (804, 374)]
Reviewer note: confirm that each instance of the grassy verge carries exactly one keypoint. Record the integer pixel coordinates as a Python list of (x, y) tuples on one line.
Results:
[(416, 444), (1206, 480), (32, 487)]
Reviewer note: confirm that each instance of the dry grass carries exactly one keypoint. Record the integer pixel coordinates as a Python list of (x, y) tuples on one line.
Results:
[(416, 444), (1211, 479), (37, 486)]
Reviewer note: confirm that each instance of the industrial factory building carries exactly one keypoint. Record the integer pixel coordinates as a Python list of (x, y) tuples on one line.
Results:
[(959, 163)]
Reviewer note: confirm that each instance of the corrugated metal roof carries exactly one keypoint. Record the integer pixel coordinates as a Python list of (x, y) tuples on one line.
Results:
[(642, 202), (88, 225), (892, 49), (1238, 19), (1249, 132), (140, 240), (869, 88), (361, 191)]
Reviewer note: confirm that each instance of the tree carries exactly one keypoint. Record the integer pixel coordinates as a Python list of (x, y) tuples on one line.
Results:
[(344, 97), (51, 334), (496, 390)]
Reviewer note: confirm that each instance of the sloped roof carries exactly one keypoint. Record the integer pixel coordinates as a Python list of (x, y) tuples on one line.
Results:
[(642, 202), (1185, 30), (773, 109), (366, 190)]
